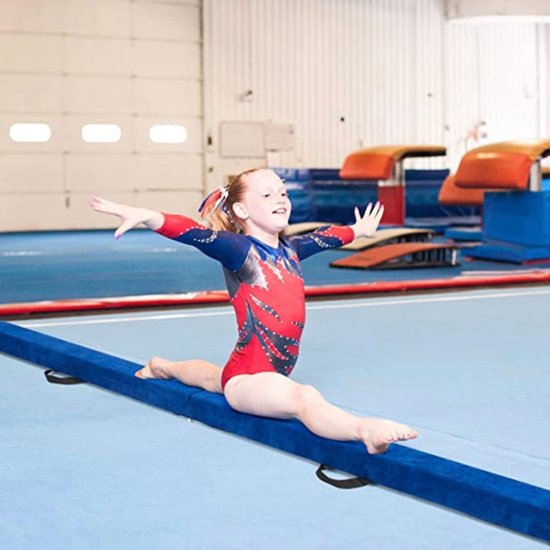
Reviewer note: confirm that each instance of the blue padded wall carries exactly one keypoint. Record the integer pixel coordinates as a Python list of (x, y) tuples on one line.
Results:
[(422, 196), (521, 218), (319, 194), (335, 199)]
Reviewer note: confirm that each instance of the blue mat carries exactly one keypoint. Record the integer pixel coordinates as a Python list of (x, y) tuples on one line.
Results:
[(467, 234), (92, 264), (506, 502)]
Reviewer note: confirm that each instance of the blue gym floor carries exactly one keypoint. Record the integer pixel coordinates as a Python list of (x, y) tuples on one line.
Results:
[(73, 265), (85, 468)]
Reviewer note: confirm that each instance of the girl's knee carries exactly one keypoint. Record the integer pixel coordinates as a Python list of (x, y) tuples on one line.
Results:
[(307, 396), (232, 393)]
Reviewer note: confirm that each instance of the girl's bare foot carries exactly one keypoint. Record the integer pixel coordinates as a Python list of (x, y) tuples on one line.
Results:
[(157, 367), (377, 434)]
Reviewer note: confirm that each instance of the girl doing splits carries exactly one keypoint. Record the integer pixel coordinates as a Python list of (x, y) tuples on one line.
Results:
[(262, 271)]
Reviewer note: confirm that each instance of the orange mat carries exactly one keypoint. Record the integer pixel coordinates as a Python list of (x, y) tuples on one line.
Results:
[(401, 255)]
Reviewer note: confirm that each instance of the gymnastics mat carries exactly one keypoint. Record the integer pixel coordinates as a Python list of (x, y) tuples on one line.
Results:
[(493, 498), (401, 255)]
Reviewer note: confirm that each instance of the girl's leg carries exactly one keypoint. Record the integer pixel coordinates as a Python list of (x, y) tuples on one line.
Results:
[(273, 395), (195, 372)]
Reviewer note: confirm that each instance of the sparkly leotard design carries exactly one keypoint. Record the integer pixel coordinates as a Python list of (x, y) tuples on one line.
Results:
[(265, 286)]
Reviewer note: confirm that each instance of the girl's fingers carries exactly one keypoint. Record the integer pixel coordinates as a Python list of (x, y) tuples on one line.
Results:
[(368, 210), (377, 211), (123, 228), (376, 208), (99, 204), (357, 214), (108, 207)]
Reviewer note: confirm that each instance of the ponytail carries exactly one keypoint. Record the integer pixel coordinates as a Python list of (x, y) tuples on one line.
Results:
[(217, 206)]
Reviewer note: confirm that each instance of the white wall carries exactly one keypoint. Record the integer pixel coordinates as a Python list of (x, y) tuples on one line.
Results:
[(72, 62), (343, 73), (495, 74), (376, 64), (394, 69)]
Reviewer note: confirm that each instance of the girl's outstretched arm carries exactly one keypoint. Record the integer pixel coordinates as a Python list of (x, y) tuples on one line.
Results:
[(335, 236), (228, 248), (367, 224), (130, 216)]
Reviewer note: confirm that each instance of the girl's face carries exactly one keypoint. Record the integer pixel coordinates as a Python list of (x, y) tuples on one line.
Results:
[(265, 203)]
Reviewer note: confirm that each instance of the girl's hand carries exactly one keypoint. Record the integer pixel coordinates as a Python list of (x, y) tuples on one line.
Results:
[(130, 216), (366, 225)]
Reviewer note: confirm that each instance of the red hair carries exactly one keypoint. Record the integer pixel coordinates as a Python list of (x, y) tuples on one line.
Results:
[(217, 207)]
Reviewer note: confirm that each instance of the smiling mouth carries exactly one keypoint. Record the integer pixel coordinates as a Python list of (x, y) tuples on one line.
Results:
[(279, 211)]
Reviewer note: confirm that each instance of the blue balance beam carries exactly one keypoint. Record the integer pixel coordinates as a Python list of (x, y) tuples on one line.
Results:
[(496, 499)]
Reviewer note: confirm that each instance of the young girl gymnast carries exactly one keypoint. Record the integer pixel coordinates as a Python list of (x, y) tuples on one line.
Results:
[(262, 271)]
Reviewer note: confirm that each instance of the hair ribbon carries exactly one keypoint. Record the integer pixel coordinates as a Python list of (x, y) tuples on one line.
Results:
[(214, 200)]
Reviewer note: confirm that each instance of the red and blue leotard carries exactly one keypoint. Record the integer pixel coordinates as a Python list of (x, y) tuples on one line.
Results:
[(265, 286)]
